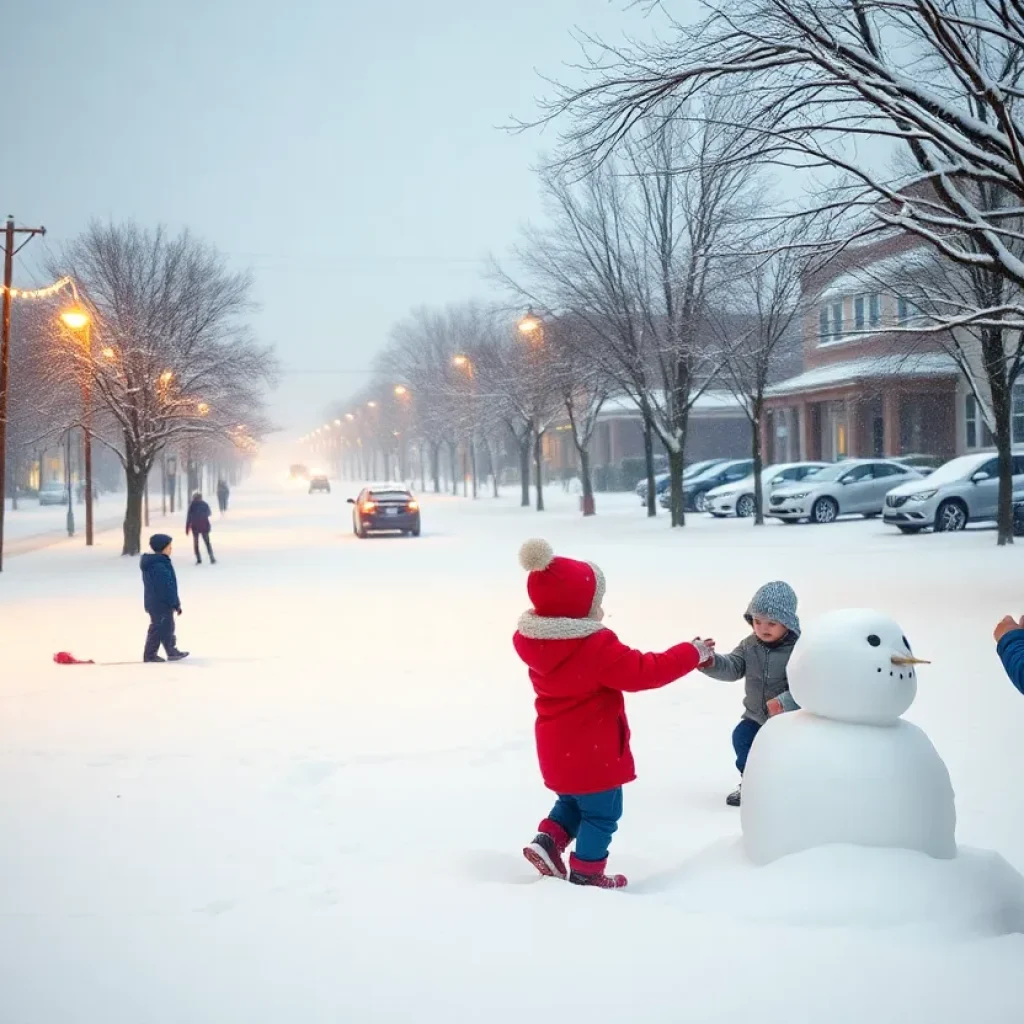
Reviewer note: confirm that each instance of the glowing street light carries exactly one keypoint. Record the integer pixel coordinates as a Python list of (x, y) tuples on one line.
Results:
[(203, 409), (75, 318), (109, 353), (401, 390), (337, 423), (530, 324), (371, 405), (166, 377), (350, 417)]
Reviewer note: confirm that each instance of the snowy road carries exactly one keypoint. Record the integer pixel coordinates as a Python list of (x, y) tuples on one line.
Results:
[(318, 817)]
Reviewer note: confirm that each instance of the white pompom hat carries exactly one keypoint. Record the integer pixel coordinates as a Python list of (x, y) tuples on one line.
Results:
[(560, 587)]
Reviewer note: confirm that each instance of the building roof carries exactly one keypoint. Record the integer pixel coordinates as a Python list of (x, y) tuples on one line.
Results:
[(710, 402), (833, 375)]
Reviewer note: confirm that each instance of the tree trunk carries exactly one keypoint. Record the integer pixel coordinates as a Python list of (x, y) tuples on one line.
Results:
[(453, 461), (675, 472), (994, 356), (423, 470), (756, 411), (589, 506), (538, 453), (652, 497), (472, 466), (135, 481), (524, 469), (435, 465)]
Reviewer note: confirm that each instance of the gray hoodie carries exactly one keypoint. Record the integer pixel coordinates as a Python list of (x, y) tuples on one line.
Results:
[(763, 668), (761, 665)]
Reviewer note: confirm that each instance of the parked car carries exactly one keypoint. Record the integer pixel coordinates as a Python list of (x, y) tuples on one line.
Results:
[(385, 510), (922, 463), (738, 499), (319, 483), (963, 491), (53, 493), (696, 487), (853, 487), (662, 480), (1018, 514)]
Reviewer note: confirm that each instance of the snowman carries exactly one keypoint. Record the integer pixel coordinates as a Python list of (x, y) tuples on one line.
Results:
[(847, 769)]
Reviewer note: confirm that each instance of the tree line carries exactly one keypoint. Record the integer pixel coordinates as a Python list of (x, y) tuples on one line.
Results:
[(163, 360)]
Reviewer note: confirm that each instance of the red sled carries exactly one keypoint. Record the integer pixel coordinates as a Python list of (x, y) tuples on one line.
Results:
[(63, 658)]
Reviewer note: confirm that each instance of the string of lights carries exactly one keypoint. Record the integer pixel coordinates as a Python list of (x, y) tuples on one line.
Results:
[(43, 293)]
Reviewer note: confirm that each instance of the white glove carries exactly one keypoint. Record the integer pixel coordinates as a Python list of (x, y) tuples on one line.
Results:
[(706, 651)]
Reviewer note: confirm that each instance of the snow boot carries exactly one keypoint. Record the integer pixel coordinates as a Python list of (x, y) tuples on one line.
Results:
[(177, 656), (591, 872), (154, 659), (545, 852), (733, 799)]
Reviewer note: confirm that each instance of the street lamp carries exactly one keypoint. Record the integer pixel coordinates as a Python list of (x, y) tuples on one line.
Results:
[(371, 405), (77, 320), (401, 391), (530, 324)]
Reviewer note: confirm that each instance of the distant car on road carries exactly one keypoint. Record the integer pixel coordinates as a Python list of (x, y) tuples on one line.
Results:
[(53, 493), (964, 490), (298, 472), (319, 484), (696, 487), (385, 510), (737, 499), (853, 487)]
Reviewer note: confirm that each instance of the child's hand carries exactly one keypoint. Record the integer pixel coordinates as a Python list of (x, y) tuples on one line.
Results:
[(774, 707), (1007, 625), (706, 650)]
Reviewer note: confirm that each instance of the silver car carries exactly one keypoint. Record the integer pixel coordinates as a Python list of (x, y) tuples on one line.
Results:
[(53, 493), (853, 487), (964, 490), (738, 499)]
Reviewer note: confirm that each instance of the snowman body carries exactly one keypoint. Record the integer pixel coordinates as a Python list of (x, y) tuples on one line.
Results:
[(814, 782), (847, 769)]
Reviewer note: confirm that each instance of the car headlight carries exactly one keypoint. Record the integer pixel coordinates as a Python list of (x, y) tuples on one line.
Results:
[(721, 494), (924, 495), (797, 496)]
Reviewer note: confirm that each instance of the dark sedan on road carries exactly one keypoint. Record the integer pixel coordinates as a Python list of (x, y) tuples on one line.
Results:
[(385, 510)]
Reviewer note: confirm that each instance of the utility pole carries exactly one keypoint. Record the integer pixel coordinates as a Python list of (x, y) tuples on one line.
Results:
[(10, 236)]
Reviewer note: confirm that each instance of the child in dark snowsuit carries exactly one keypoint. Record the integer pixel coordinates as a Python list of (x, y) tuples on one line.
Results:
[(579, 671), (197, 522), (761, 659), (1009, 637), (160, 591)]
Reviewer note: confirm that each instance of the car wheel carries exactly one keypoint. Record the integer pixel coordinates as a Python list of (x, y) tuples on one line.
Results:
[(415, 532), (950, 517), (745, 506), (700, 501), (910, 530), (825, 510)]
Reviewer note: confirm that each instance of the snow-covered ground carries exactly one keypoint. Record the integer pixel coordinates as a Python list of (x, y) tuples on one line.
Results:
[(31, 525), (318, 817)]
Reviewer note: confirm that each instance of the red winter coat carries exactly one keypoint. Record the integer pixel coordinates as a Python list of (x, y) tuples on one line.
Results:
[(582, 732)]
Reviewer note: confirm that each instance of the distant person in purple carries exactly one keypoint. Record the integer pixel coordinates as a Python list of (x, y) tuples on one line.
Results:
[(197, 522), (223, 493)]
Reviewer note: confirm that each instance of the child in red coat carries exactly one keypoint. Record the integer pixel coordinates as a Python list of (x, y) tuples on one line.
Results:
[(579, 671)]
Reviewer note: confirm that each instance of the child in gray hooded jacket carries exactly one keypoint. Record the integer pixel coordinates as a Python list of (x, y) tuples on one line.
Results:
[(761, 659)]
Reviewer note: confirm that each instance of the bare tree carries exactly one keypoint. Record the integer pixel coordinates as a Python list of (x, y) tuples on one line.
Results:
[(759, 324), (173, 357)]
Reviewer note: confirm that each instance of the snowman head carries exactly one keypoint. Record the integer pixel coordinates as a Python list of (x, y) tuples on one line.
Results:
[(854, 665)]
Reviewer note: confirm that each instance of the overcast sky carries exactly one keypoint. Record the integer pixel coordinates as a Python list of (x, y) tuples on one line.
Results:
[(349, 153)]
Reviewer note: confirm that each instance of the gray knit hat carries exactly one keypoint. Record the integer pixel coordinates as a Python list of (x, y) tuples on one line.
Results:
[(775, 601)]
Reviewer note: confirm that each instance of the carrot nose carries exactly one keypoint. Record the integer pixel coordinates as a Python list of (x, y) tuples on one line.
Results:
[(908, 659)]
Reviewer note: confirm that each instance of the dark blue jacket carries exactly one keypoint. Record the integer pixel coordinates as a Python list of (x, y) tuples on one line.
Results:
[(1011, 650), (160, 584)]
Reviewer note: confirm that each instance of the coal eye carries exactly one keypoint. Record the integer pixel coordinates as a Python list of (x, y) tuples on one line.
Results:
[(875, 641)]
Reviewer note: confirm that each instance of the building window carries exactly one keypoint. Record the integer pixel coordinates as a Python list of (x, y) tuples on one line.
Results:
[(875, 309), (906, 310), (1017, 414), (858, 313), (971, 420), (823, 334), (837, 320), (978, 433)]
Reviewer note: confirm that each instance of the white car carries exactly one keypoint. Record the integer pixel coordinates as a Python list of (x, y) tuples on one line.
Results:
[(738, 499), (853, 487), (963, 491), (53, 493)]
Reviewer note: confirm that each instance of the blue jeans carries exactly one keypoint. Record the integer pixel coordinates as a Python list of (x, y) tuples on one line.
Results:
[(742, 740), (591, 820)]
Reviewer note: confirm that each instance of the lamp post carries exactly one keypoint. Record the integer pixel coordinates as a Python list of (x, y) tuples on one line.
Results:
[(465, 364), (77, 319), (532, 328)]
